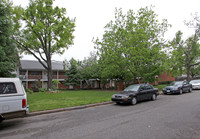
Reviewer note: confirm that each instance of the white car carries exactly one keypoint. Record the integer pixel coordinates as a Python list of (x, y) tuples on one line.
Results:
[(13, 99), (195, 84)]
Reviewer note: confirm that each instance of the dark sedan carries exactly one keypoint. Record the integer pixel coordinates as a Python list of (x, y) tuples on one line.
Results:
[(134, 93), (177, 87)]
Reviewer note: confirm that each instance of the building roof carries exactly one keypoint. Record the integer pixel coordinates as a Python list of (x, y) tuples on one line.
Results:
[(35, 65)]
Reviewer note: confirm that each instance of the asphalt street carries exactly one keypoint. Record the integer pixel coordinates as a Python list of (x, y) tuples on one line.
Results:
[(169, 117)]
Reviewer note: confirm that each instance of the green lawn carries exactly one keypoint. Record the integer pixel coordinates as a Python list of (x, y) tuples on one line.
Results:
[(46, 101)]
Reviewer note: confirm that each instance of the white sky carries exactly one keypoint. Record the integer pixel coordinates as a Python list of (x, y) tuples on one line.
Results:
[(92, 15)]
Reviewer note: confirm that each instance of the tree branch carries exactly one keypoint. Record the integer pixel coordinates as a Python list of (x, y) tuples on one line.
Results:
[(41, 39), (41, 55), (24, 47), (195, 64)]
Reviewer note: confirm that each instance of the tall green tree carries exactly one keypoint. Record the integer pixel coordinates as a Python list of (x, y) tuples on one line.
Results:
[(131, 46), (185, 54), (43, 30), (8, 51), (72, 73), (89, 68), (195, 71)]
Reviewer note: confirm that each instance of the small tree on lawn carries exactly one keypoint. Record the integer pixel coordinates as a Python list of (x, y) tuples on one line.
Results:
[(55, 84)]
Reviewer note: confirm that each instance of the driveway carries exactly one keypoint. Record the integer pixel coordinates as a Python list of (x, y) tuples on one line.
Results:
[(169, 117)]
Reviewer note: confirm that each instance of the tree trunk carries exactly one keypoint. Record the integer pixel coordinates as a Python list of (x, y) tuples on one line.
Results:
[(49, 74), (188, 72)]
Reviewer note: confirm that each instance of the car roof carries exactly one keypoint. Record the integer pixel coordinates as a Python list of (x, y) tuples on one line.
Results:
[(9, 79), (195, 80), (141, 84)]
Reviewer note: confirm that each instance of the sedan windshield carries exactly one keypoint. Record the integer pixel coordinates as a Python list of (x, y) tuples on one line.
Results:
[(132, 88), (176, 83)]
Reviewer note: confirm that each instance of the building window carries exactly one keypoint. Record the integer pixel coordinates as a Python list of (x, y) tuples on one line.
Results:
[(54, 73), (22, 72), (35, 72), (7, 88)]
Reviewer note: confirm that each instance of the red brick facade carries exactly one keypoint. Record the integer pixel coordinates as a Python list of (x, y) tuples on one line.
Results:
[(166, 77)]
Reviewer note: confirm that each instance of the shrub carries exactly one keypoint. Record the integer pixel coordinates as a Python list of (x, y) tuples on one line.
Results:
[(42, 89), (29, 91), (160, 87), (55, 82)]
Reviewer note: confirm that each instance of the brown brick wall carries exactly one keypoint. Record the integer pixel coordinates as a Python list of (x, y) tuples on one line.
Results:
[(166, 77)]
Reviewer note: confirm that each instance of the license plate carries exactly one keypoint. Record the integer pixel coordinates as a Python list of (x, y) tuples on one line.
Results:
[(168, 90)]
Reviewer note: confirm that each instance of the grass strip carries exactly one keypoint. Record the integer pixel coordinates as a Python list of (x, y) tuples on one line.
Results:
[(47, 101)]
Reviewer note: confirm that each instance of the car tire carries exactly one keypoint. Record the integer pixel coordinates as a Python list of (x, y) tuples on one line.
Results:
[(1, 119), (190, 90), (181, 92), (154, 97), (118, 103), (134, 101)]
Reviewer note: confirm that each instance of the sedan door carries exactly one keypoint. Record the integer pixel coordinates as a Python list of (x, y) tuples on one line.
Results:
[(142, 95), (186, 86), (149, 91)]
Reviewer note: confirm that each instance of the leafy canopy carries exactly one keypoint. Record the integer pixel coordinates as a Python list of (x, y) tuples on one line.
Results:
[(43, 30), (131, 46), (89, 68), (46, 28), (8, 53), (73, 74), (185, 54)]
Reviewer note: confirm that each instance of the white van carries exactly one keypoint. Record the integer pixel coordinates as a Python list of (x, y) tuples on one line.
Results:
[(13, 99)]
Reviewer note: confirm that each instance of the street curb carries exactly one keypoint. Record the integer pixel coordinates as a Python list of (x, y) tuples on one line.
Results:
[(66, 109)]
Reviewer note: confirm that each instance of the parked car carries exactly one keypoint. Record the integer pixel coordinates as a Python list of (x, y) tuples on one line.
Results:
[(177, 87), (195, 84), (134, 93), (13, 99)]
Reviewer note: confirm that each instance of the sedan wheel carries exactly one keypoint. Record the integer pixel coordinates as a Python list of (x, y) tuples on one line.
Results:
[(154, 97), (1, 119), (181, 92), (134, 101)]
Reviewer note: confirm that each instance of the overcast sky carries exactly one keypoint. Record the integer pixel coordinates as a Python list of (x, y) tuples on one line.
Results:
[(92, 15)]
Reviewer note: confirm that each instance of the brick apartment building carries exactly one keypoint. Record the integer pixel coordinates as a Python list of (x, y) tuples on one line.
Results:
[(32, 73)]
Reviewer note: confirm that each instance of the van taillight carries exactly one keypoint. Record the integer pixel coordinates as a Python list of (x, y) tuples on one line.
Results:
[(23, 103)]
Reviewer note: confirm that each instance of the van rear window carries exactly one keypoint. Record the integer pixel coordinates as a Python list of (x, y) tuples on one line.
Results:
[(7, 88)]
